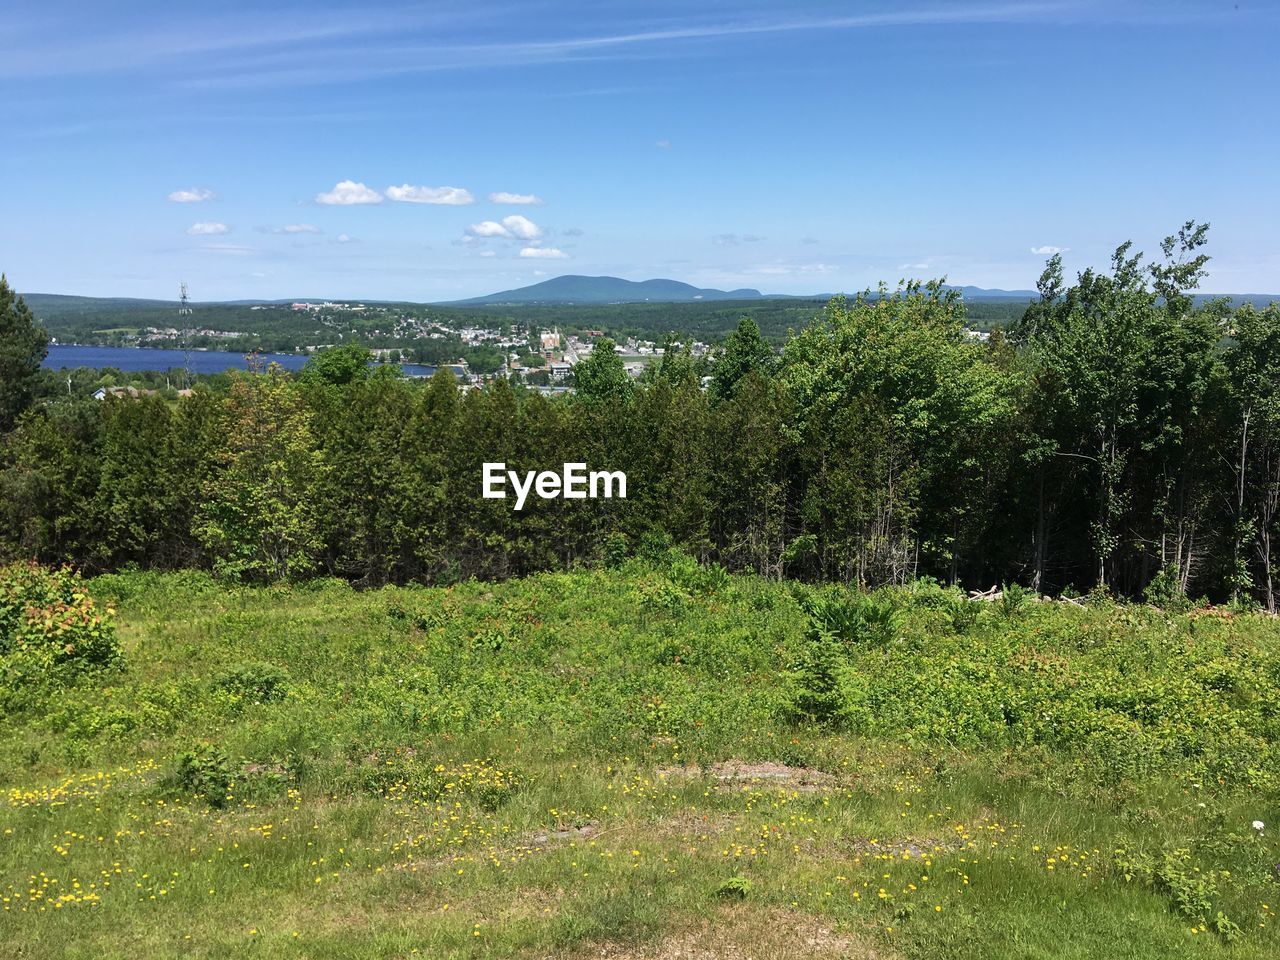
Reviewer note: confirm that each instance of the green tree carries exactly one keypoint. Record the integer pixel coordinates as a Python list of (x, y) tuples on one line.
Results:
[(1254, 365), (336, 366), (23, 346), (745, 352), (895, 404), (601, 375), (259, 520), (1126, 372)]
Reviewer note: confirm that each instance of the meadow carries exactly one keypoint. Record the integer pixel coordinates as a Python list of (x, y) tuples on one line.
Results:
[(657, 760)]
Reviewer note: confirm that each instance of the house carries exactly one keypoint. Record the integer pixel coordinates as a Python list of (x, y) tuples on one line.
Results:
[(103, 392)]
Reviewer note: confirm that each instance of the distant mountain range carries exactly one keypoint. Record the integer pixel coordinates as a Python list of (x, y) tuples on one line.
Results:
[(570, 289), (578, 289)]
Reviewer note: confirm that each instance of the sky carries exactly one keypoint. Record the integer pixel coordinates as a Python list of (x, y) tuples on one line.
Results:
[(435, 151)]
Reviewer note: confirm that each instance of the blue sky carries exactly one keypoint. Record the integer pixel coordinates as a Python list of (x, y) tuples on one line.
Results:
[(797, 148)]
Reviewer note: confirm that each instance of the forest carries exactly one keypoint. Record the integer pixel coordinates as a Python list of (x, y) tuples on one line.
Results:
[(1121, 435)]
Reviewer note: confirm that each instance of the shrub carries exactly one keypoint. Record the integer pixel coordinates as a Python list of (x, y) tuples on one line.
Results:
[(1012, 599), (615, 549), (963, 613), (254, 682), (50, 625), (850, 618), (206, 772), (815, 695), (1164, 591), (734, 888)]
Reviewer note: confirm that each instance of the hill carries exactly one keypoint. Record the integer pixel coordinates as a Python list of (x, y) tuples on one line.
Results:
[(579, 289)]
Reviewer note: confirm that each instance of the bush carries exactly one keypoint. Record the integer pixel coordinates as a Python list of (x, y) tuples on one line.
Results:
[(254, 682), (50, 626), (206, 772), (1165, 592), (1012, 599), (963, 613), (734, 888), (851, 618), (815, 695)]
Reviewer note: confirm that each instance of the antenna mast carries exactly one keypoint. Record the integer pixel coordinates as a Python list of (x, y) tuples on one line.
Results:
[(184, 318)]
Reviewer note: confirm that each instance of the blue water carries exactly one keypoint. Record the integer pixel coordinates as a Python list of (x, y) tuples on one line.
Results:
[(134, 359)]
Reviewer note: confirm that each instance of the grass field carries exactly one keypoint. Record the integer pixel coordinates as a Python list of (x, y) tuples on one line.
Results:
[(659, 761)]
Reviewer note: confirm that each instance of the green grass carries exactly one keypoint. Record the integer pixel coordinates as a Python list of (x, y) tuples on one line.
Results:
[(626, 764)]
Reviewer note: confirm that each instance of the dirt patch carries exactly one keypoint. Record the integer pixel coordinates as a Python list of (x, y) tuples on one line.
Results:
[(736, 774)]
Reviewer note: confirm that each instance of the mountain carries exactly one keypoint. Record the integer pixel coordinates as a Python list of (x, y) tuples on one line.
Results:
[(982, 293), (578, 289)]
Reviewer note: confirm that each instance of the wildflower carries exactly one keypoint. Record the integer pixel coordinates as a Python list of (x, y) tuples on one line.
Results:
[(1258, 825)]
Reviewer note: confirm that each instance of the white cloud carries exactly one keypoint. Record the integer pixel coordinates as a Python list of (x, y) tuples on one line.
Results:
[(197, 195), (1048, 250), (488, 228), (543, 253), (522, 227), (345, 238), (348, 192), (525, 198), (447, 196), (913, 266), (207, 229), (514, 227), (487, 253), (733, 239), (297, 228), (663, 144)]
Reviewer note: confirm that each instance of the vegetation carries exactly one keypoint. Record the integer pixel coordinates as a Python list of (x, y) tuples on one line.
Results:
[(277, 328), (321, 699), (22, 348), (632, 762), (1120, 438)]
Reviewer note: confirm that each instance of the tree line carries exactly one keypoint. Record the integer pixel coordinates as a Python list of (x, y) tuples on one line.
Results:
[(1121, 434)]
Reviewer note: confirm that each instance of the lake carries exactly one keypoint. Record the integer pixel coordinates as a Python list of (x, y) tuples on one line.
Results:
[(135, 359)]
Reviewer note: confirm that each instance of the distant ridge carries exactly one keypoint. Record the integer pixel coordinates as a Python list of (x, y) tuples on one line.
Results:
[(566, 290), (572, 288)]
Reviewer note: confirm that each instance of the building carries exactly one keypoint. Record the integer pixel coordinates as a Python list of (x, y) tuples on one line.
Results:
[(103, 392)]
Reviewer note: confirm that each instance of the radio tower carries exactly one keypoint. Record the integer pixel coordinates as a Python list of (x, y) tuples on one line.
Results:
[(184, 318)]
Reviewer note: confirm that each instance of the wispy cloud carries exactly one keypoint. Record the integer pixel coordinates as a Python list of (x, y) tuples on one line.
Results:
[(297, 228), (198, 195), (734, 239), (447, 196), (516, 198), (348, 193), (208, 229), (543, 253), (263, 48), (1049, 250)]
